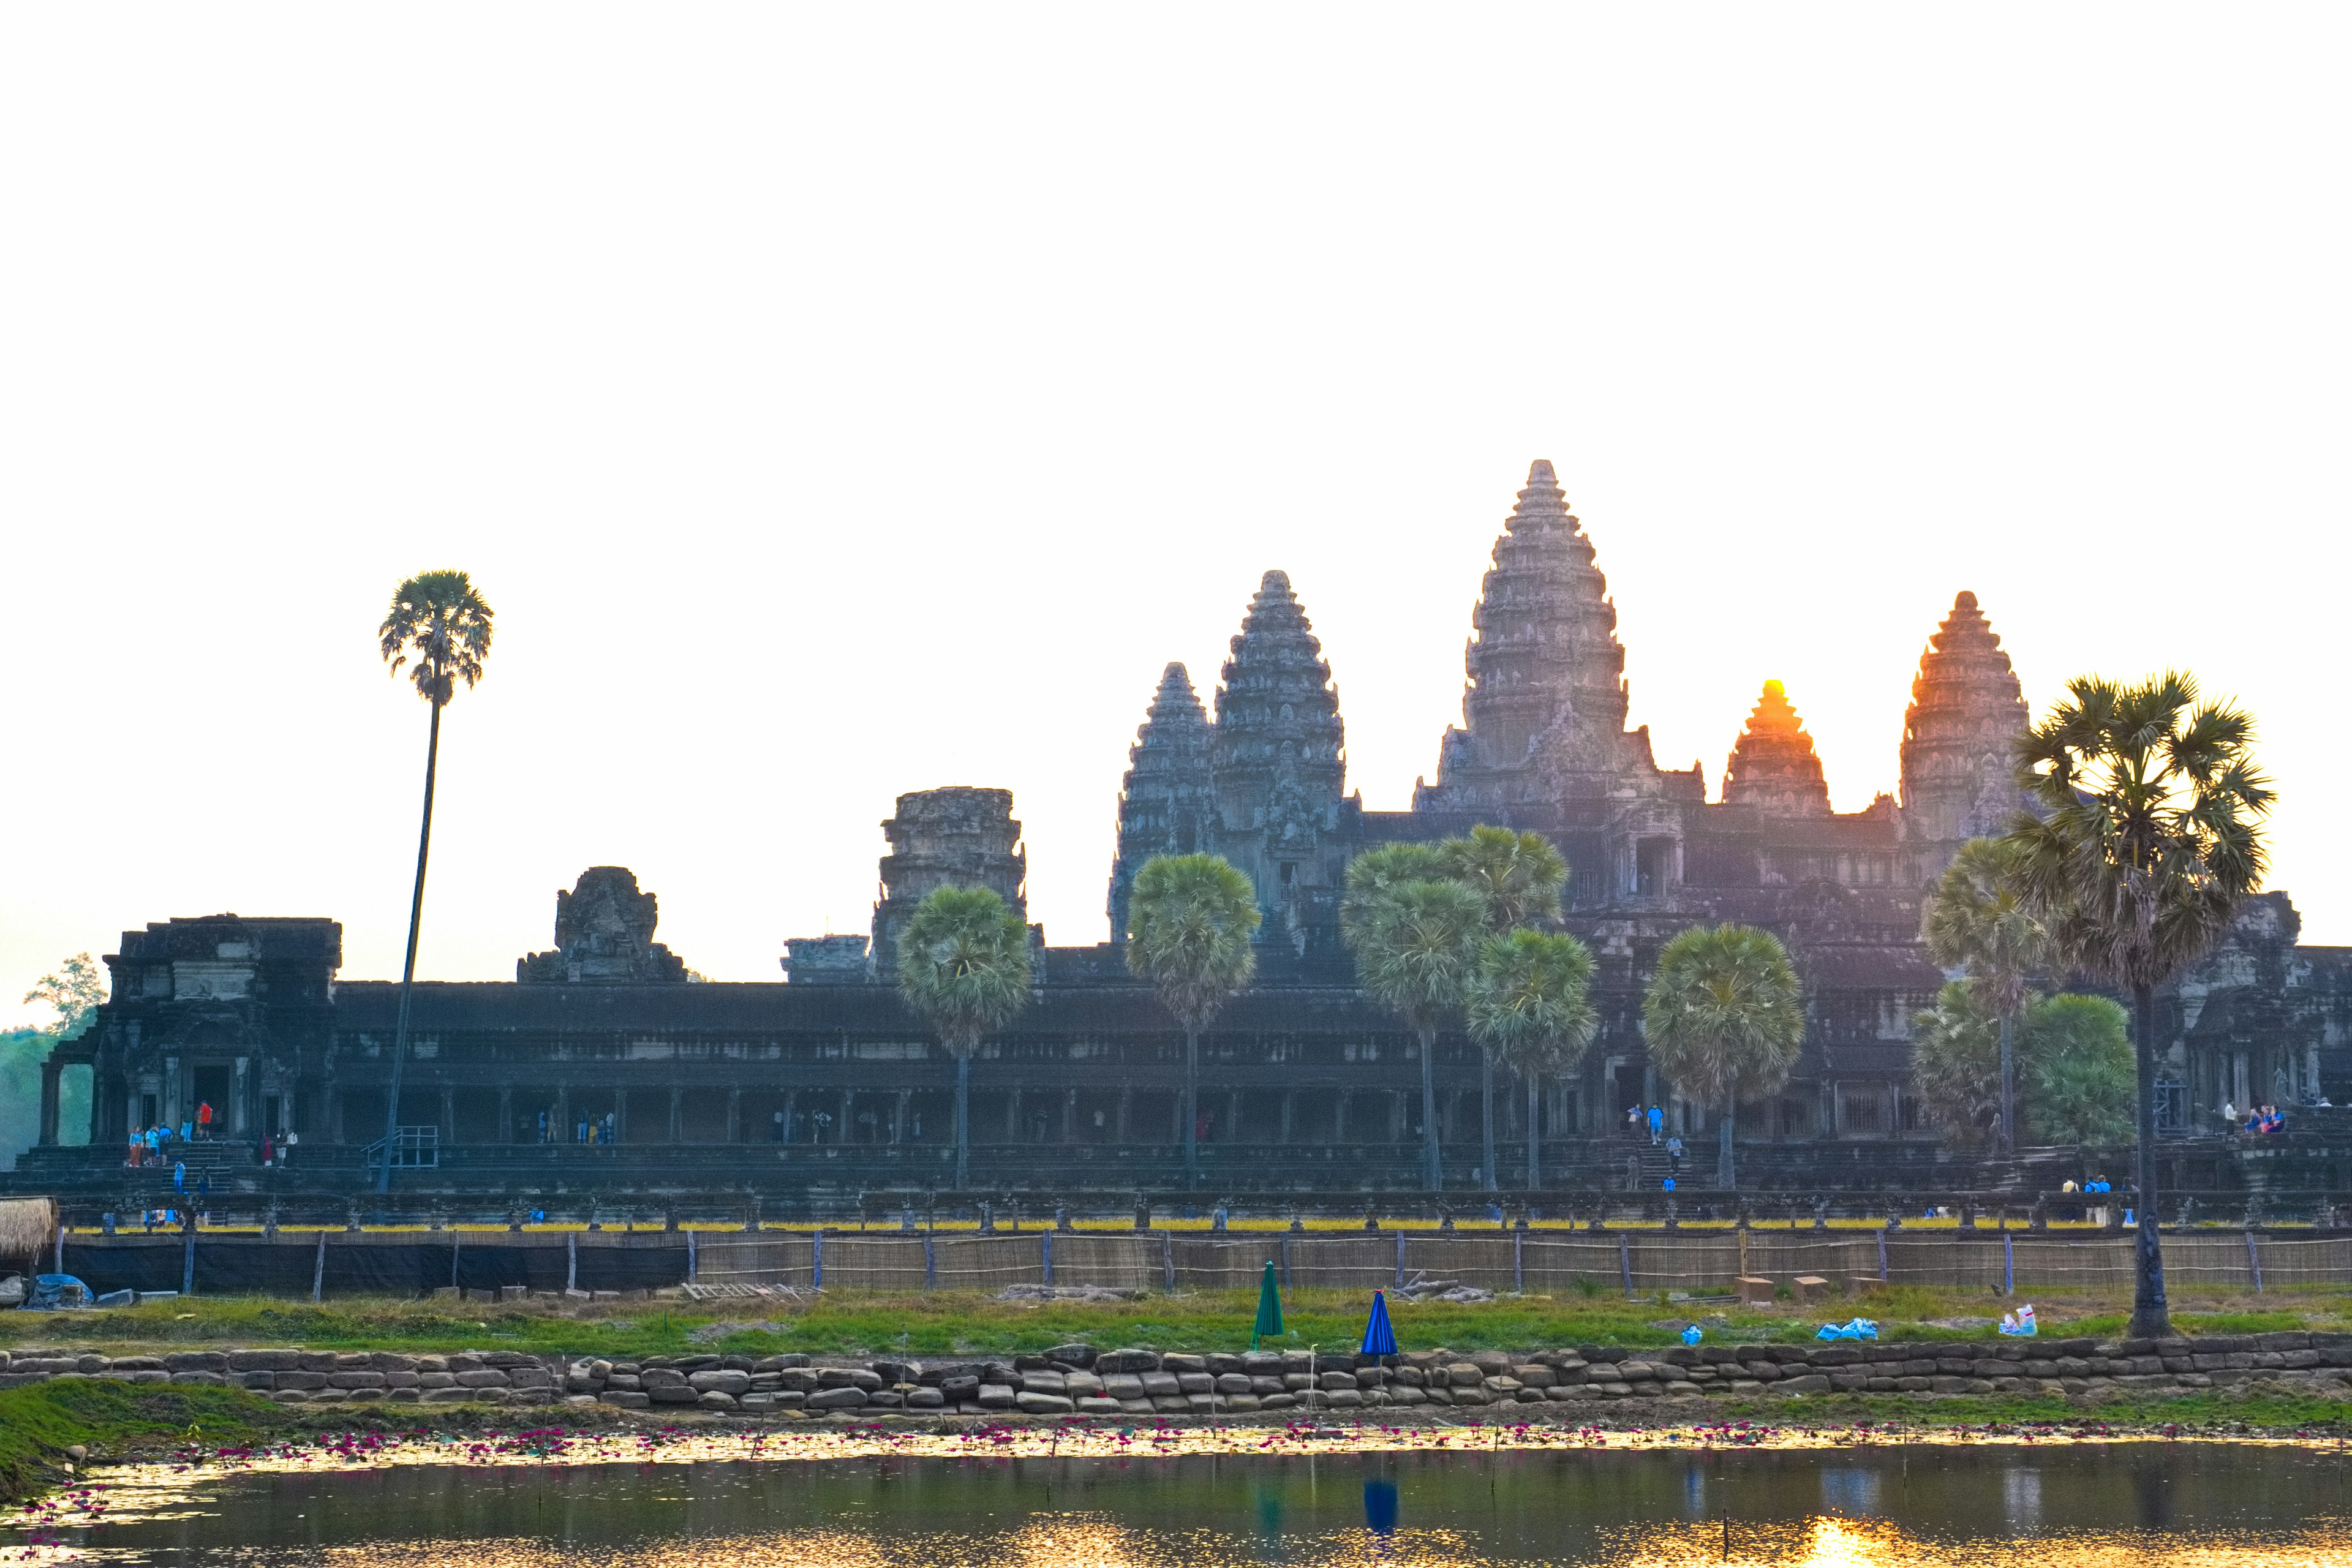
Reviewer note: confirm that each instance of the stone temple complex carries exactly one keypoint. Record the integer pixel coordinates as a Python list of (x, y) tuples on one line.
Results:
[(605, 1066)]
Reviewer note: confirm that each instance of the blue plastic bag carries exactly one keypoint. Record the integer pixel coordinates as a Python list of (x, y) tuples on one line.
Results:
[(1691, 1334), (1852, 1328)]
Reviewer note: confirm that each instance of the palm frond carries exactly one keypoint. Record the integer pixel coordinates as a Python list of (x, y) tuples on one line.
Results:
[(963, 964)]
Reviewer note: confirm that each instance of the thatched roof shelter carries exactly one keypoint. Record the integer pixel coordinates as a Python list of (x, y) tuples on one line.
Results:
[(28, 1227)]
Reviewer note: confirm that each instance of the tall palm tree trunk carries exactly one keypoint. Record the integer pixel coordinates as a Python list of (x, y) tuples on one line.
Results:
[(1432, 1173), (1726, 1174), (408, 967), (2007, 1084), (1191, 1106), (963, 1117), (2150, 1318), (1486, 1113), (1535, 1139)]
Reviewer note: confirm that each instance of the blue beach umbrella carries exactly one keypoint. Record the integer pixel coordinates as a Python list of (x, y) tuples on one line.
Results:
[(1378, 1337)]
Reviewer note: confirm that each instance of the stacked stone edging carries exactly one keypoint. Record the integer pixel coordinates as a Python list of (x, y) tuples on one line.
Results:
[(1082, 1380)]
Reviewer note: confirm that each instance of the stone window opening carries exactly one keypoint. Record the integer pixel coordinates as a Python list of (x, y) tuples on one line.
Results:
[(1654, 865)]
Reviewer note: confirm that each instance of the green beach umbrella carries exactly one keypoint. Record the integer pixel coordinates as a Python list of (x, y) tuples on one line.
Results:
[(1269, 1308)]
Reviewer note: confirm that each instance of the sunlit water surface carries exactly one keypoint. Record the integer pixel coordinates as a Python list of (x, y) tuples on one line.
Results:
[(2159, 1503)]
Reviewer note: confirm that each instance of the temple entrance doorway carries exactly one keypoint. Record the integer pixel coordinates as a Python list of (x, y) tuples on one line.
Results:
[(212, 1083)]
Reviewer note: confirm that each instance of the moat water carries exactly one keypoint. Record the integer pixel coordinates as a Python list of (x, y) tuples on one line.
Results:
[(2126, 1502)]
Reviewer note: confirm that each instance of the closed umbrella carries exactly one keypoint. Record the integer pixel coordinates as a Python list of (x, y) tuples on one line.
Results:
[(1378, 1337), (1269, 1307)]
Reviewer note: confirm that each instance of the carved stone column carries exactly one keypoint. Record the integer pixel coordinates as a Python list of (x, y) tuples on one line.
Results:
[(735, 1114), (50, 1069), (676, 1115), (448, 1124), (506, 1115)]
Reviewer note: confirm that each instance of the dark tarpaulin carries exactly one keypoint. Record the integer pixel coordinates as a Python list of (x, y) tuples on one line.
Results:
[(630, 1267), (490, 1266), (256, 1267), (409, 1268), (136, 1266)]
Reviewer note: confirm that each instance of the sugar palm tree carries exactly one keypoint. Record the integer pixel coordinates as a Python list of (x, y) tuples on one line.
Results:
[(2148, 832), (1529, 1003), (1518, 873), (1189, 921), (1724, 1020), (439, 627), (2078, 1072), (1416, 942), (964, 966), (1983, 919), (1955, 1065)]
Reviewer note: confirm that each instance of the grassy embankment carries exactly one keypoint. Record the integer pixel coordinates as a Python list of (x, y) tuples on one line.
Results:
[(966, 1323)]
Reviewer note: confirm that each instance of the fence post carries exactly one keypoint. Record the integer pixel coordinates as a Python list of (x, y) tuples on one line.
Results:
[(1285, 1245), (1168, 1258), (1045, 1253), (1882, 1254), (2007, 1266), (571, 1260), (930, 1265), (188, 1264), (456, 1244), (1519, 1261), (693, 1256), (817, 1260), (319, 1270), (1399, 1272), (60, 1267), (1625, 1261), (2254, 1262)]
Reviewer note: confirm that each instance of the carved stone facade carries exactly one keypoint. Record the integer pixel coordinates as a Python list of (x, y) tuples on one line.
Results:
[(1966, 708), (1167, 801), (604, 934), (1310, 1087), (1774, 768), (955, 838)]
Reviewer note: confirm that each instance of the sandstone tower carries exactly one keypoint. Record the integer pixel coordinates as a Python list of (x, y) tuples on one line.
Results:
[(604, 932), (1167, 802), (1544, 710), (955, 838), (1967, 712), (1773, 768)]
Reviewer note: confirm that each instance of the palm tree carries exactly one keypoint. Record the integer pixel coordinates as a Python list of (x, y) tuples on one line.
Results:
[(2078, 1072), (1519, 876), (1416, 943), (438, 620), (1956, 1064), (1189, 920), (2149, 832), (1981, 918), (963, 965), (1724, 1020), (1518, 873), (1529, 1003)]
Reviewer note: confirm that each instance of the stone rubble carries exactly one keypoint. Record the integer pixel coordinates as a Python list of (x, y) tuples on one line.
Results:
[(1082, 1380)]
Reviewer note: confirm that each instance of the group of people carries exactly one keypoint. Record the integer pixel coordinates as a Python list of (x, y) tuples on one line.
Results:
[(2263, 1119), (152, 1145)]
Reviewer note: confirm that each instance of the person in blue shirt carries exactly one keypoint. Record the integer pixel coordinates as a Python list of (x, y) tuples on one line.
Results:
[(1657, 1125)]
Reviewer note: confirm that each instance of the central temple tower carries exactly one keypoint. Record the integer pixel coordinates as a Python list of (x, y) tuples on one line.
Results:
[(1544, 709)]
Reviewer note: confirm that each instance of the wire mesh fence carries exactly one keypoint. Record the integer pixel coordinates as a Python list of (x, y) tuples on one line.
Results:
[(1639, 1262)]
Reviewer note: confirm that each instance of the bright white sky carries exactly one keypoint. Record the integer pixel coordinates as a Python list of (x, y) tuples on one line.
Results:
[(838, 401)]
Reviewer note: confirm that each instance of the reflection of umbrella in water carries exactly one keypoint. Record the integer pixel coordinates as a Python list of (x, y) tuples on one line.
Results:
[(1378, 1337), (1379, 1506)]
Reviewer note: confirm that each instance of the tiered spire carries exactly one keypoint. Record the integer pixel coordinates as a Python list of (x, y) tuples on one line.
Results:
[(1166, 801), (1774, 767), (1277, 748), (1967, 712), (1546, 700)]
